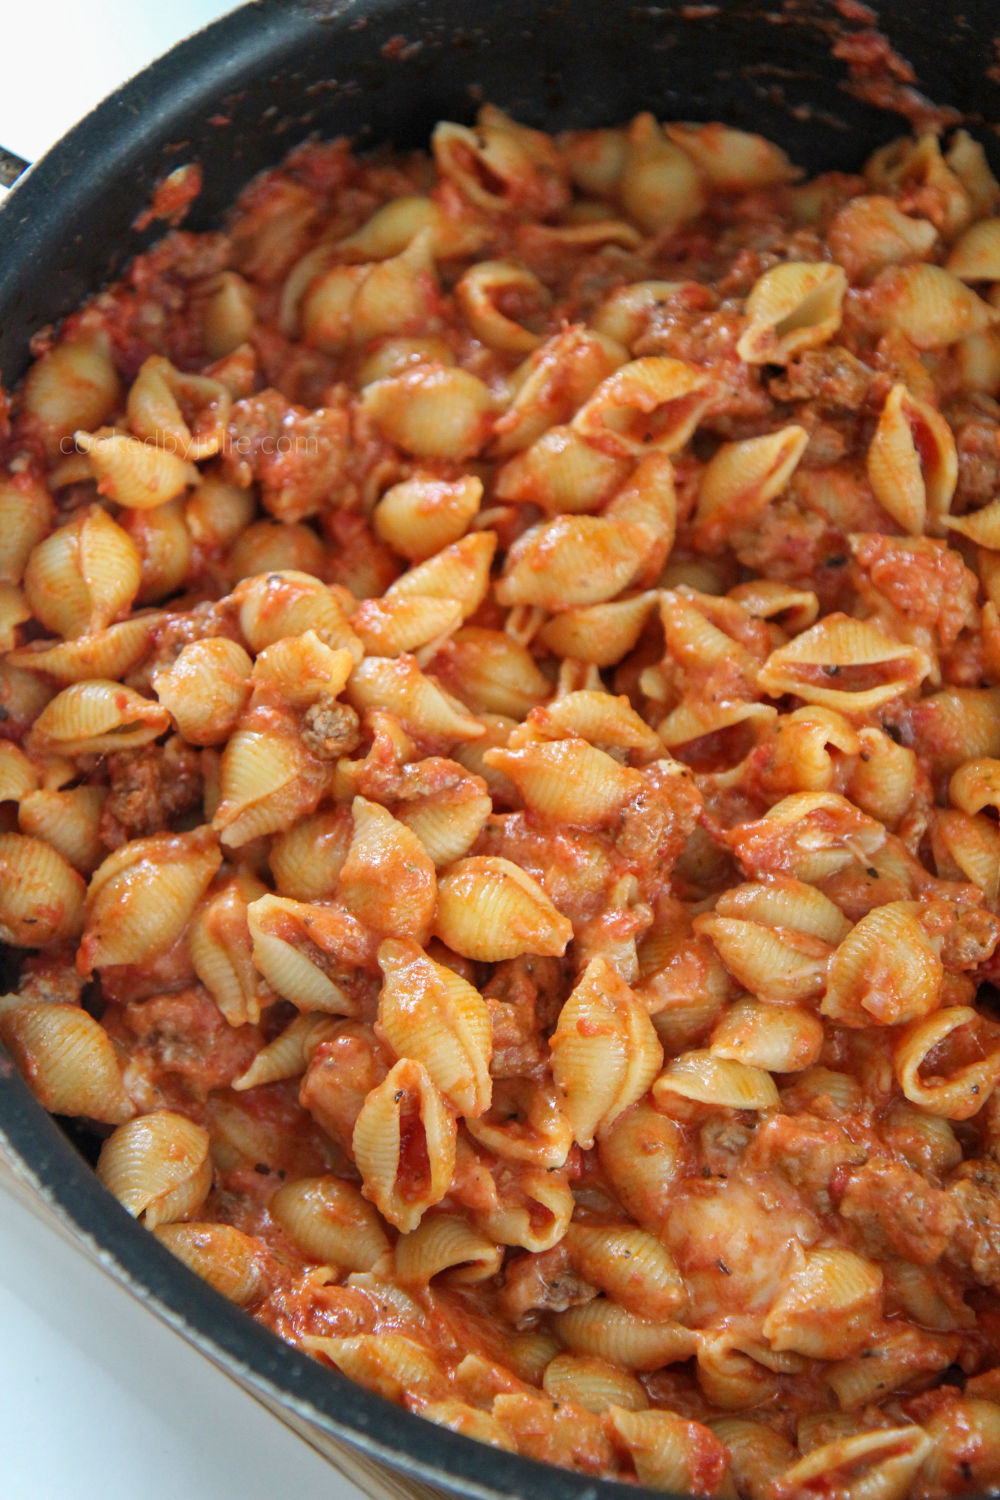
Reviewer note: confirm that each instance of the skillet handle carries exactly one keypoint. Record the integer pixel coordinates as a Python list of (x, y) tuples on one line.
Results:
[(11, 167)]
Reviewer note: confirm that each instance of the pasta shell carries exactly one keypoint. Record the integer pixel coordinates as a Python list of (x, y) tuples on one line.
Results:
[(23, 696), (134, 474), (283, 603), (326, 294), (598, 717), (958, 723), (841, 647), (289, 1054), (110, 654), (740, 479), (957, 1095), (216, 514), (142, 897), (595, 1384), (228, 318), (654, 401), (670, 1452), (307, 859), (13, 612), (155, 414), (158, 1166), (430, 1013), (165, 549), (757, 1454), (390, 1364), (976, 785), (569, 781), (901, 1355), (423, 514), (766, 598), (82, 575), (827, 1305), (776, 1038), (561, 472), (610, 1332), (397, 685), (459, 573), (783, 965), (98, 715), (390, 229), (502, 166), (574, 560), (885, 1462), (551, 384), (733, 160), (470, 1422), (885, 972), (26, 516), (981, 526), (975, 255), (784, 902), (525, 1123), (387, 880), (432, 412), (599, 633), (205, 689), (918, 164), (717, 1081), (448, 822), (221, 952), (967, 160), (41, 895), (481, 292), (388, 627), (331, 1222), (871, 232), (491, 672), (792, 307), (68, 1059), (596, 158), (267, 779), (972, 845), (912, 462), (275, 546), (230, 1261), (928, 305), (73, 385), (289, 957), (638, 1137), (729, 1378), (691, 721), (302, 670), (605, 1052), (533, 1211), (398, 294), (965, 1424), (632, 1266), (68, 820), (489, 909), (660, 187), (443, 1243), (18, 776), (404, 1145)]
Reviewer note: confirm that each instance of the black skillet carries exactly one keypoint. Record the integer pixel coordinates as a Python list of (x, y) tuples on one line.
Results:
[(235, 98)]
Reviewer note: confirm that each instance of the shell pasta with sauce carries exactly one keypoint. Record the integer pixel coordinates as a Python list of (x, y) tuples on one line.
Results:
[(499, 774)]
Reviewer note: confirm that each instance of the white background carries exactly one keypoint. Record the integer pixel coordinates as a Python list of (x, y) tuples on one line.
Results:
[(98, 1400)]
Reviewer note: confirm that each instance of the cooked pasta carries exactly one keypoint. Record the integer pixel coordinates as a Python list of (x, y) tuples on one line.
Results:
[(499, 775)]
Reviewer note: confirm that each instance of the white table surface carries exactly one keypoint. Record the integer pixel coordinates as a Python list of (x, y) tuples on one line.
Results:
[(98, 1399)]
